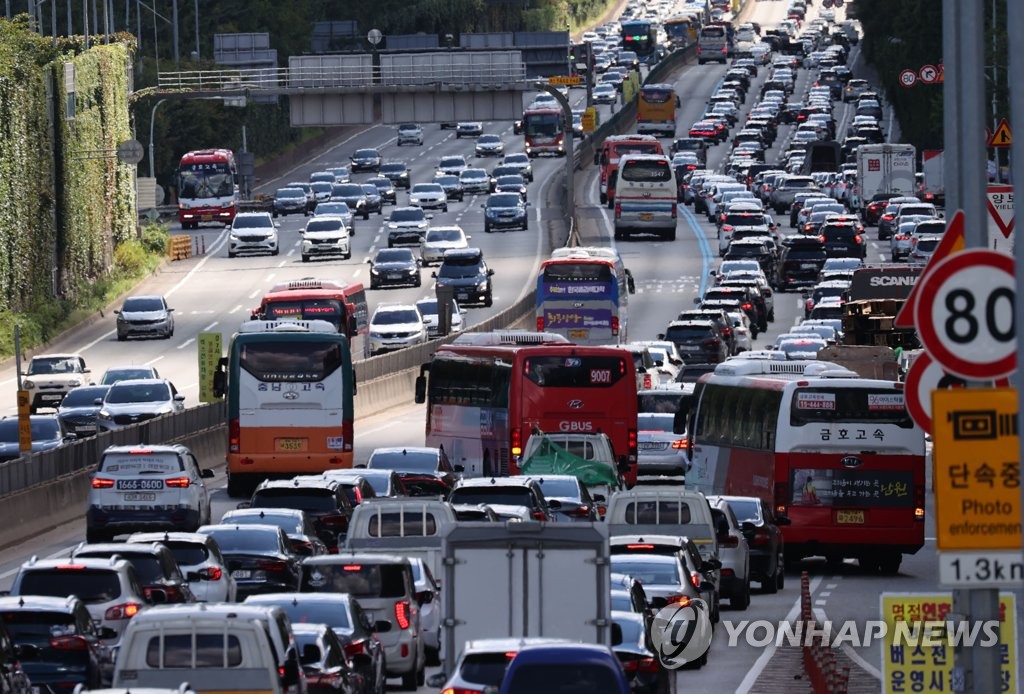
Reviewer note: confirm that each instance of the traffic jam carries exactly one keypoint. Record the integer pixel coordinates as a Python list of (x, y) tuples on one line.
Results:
[(599, 485)]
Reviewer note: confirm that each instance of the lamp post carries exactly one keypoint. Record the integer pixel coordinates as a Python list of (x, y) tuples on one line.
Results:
[(152, 118)]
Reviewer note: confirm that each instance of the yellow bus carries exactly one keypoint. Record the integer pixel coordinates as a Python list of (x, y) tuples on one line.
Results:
[(656, 110)]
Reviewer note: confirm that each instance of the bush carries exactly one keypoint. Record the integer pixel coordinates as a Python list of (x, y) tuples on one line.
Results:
[(155, 238), (130, 257)]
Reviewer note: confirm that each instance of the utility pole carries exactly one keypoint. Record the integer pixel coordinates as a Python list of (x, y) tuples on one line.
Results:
[(174, 25)]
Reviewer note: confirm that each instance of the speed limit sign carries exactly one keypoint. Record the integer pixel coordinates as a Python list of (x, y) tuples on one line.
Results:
[(968, 325)]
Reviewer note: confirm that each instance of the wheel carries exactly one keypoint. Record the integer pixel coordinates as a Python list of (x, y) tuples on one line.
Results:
[(742, 601), (444, 209), (421, 677), (238, 486), (366, 214), (834, 563), (889, 563), (275, 214), (780, 574), (409, 681), (526, 226), (418, 283), (305, 258), (771, 584), (347, 256), (488, 302), (121, 338), (231, 254), (487, 228), (433, 656), (670, 236)]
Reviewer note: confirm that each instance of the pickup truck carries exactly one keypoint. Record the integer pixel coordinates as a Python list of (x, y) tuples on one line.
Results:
[(410, 527)]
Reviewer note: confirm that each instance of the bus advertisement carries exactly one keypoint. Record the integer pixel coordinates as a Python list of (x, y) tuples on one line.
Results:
[(656, 110), (340, 304), (544, 131), (835, 454), (639, 36), (485, 399), (207, 187), (584, 298), (289, 388), (612, 149)]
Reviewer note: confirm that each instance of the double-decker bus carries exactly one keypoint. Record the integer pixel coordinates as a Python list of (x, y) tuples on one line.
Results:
[(543, 131), (343, 305), (207, 187), (656, 110), (289, 387), (487, 392), (583, 295), (837, 455), (639, 36), (612, 149)]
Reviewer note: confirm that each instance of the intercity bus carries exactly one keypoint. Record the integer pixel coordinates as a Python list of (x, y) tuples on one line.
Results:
[(583, 295), (289, 388), (487, 392), (207, 187), (837, 455), (612, 149), (656, 110), (342, 304)]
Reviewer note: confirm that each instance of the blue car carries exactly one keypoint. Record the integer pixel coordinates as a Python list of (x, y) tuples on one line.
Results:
[(565, 668)]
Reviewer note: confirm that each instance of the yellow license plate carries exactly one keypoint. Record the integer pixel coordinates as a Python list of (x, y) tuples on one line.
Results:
[(646, 216), (207, 218), (578, 333), (850, 517), (291, 444)]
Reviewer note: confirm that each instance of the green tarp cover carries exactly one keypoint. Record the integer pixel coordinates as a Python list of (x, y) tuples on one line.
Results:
[(552, 459)]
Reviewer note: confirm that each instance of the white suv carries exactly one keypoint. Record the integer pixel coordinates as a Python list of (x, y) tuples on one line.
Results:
[(137, 488), (50, 376), (394, 326), (326, 235), (253, 232), (200, 561), (410, 133)]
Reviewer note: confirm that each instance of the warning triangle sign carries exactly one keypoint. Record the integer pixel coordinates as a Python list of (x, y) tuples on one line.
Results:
[(1003, 136), (952, 242)]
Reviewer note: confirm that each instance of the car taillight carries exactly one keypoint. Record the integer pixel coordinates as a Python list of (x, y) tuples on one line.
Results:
[(540, 324), (728, 541), (461, 690), (712, 343), (808, 228), (234, 436), (402, 614), (615, 325), (100, 483), (347, 438), (125, 610), (727, 227), (538, 515), (324, 680), (647, 382), (355, 648), (858, 239), (809, 304), (516, 439), (178, 482), (618, 210), (681, 600), (337, 520), (919, 496), (822, 239), (580, 512), (679, 444), (747, 306), (171, 593), (69, 643), (781, 494), (726, 331), (273, 565), (674, 212), (211, 573), (695, 579), (631, 444), (761, 537)]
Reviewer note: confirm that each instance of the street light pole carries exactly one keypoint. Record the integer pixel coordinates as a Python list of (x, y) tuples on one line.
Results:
[(570, 156), (195, 7), (174, 24), (152, 118)]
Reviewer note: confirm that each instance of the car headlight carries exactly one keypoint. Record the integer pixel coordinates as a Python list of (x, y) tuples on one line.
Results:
[(482, 286), (374, 271), (103, 414), (28, 384), (74, 383)]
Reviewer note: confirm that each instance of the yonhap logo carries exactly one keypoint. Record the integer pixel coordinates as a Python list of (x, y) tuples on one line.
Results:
[(681, 633)]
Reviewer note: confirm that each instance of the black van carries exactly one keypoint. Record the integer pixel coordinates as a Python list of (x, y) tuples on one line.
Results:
[(465, 271), (801, 261)]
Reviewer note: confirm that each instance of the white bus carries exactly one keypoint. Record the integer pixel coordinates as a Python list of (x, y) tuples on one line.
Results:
[(645, 196)]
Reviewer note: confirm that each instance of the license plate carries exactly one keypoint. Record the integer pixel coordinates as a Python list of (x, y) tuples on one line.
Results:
[(140, 485), (808, 266), (462, 295), (242, 574), (85, 429), (394, 276), (652, 446), (51, 396), (646, 216), (291, 444), (206, 218), (850, 517), (140, 496), (580, 334)]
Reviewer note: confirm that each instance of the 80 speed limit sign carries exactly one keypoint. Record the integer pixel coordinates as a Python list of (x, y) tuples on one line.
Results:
[(965, 314)]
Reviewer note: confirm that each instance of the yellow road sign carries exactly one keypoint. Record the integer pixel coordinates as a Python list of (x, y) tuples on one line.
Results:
[(589, 119), (976, 471), (24, 421), (210, 348), (565, 81)]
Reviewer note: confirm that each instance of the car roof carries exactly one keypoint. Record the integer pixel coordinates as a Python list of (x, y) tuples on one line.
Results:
[(518, 481)]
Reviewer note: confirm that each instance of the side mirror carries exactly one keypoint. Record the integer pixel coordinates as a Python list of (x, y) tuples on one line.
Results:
[(661, 336), (554, 504), (437, 680), (220, 384), (459, 468), (106, 633), (424, 597), (420, 396), (616, 634), (713, 564), (490, 273), (658, 603), (179, 398), (156, 596), (697, 300), (310, 654), (783, 520), (117, 312), (482, 206), (99, 401), (369, 261), (623, 465), (599, 498), (434, 274), (290, 675), (244, 504), (381, 626), (206, 473), (679, 423)]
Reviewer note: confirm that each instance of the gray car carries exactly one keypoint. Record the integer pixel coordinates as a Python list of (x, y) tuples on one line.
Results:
[(47, 434), (144, 316), (133, 401), (78, 410)]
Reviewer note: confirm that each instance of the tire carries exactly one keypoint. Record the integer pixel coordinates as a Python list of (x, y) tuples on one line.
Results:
[(487, 228), (742, 601), (238, 487), (444, 209), (94, 536), (366, 214), (305, 258), (670, 236), (409, 681), (780, 574), (347, 256), (121, 338), (230, 254), (889, 563), (418, 283), (488, 302), (433, 656), (770, 585)]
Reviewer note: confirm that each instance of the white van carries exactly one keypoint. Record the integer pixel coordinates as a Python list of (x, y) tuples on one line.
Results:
[(645, 196), (215, 650), (664, 511)]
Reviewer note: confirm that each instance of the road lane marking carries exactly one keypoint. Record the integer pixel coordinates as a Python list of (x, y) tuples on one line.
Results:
[(153, 361), (186, 343), (214, 247), (211, 325), (255, 293), (236, 309)]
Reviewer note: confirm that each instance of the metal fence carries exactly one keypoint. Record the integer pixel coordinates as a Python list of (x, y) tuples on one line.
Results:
[(37, 468)]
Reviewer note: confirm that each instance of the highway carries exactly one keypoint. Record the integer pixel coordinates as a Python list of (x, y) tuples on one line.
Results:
[(216, 293)]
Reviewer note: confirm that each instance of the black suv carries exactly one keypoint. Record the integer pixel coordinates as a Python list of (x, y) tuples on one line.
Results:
[(353, 195), (697, 340), (464, 270), (397, 172), (750, 299), (800, 263), (325, 502), (843, 240), (691, 144), (720, 319)]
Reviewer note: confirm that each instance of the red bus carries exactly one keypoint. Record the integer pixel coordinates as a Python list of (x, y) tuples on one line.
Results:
[(612, 149), (342, 305), (544, 131), (207, 187), (837, 455), (484, 399)]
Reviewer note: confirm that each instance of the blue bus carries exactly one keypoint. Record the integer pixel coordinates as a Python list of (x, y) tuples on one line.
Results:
[(583, 295)]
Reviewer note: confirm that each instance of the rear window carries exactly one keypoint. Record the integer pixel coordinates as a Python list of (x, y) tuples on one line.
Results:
[(687, 333), (868, 405), (211, 651), (359, 580), (395, 525), (486, 669), (412, 461), (712, 32), (188, 553), (147, 566), (655, 512), (143, 464), (306, 612), (806, 253), (839, 233), (659, 402), (657, 572), (574, 372), (646, 171), (37, 628), (507, 496), (745, 510), (316, 500), (558, 678), (90, 585)]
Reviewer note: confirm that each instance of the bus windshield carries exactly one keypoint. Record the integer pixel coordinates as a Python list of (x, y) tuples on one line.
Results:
[(577, 272), (205, 181), (656, 96), (290, 360), (646, 171), (543, 124)]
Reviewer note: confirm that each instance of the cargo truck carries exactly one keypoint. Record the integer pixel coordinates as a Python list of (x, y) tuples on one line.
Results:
[(884, 169), (527, 579), (934, 188)]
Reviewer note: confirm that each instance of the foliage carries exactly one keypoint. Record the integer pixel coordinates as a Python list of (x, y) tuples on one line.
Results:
[(155, 238)]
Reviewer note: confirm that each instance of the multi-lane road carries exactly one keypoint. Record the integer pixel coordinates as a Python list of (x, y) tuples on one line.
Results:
[(215, 293)]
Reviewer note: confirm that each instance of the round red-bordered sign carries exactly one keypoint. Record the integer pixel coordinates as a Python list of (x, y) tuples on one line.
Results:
[(965, 316), (924, 376)]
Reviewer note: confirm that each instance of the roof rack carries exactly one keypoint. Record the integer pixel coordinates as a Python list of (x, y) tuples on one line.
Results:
[(287, 326), (509, 337)]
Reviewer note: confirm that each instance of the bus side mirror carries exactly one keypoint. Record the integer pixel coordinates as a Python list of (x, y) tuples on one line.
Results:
[(679, 423), (630, 284), (352, 328), (421, 390), (219, 383), (597, 158)]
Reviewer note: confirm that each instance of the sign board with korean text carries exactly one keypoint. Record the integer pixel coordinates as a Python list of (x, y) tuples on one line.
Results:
[(999, 200), (589, 119), (976, 469), (967, 323), (565, 81), (920, 637), (210, 348), (952, 242)]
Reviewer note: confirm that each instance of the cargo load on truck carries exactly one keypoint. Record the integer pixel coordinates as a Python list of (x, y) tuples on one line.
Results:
[(883, 169), (867, 361)]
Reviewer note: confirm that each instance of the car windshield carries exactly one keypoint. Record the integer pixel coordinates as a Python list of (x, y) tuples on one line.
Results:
[(252, 221), (447, 180), (143, 303), (83, 397), (232, 540), (444, 235), (408, 215), (489, 138), (395, 317), (120, 393), (427, 188), (408, 126), (473, 174), (325, 225), (504, 200), (511, 181), (394, 255), (53, 365), (365, 153), (791, 346), (291, 193), (337, 208), (322, 187), (348, 190), (404, 461)]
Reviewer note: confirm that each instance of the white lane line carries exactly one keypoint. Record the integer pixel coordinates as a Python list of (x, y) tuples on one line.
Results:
[(255, 293), (211, 325), (210, 253), (270, 277), (831, 586), (101, 338), (766, 655), (186, 343), (236, 309), (59, 552), (155, 360), (821, 602), (825, 593)]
